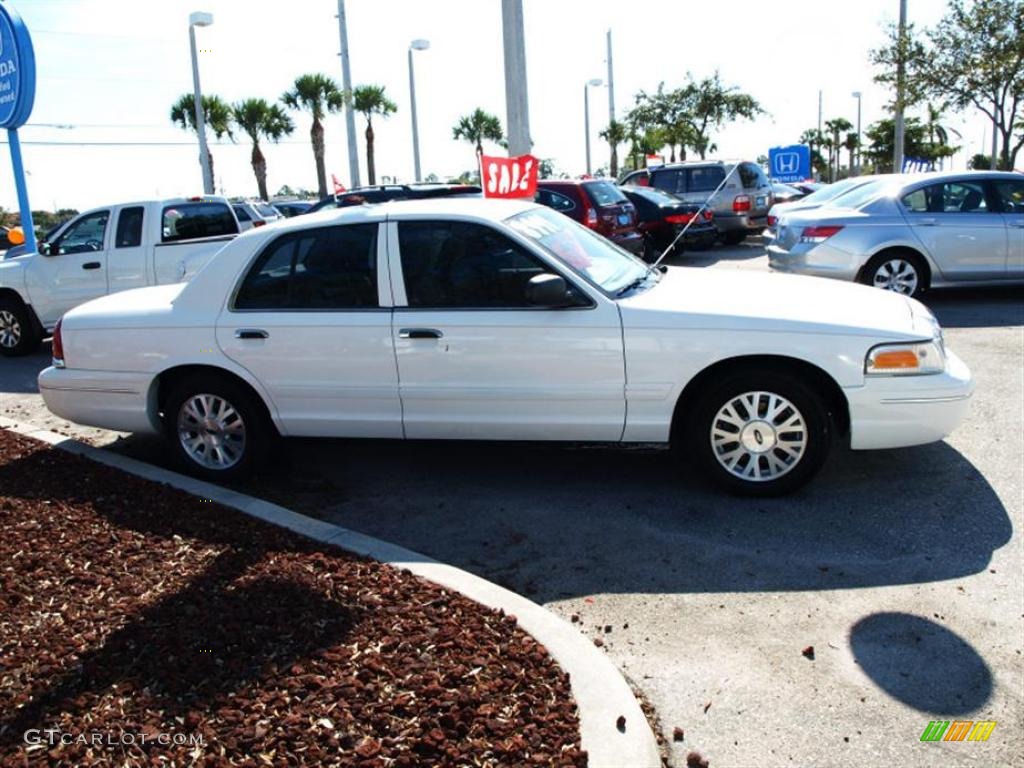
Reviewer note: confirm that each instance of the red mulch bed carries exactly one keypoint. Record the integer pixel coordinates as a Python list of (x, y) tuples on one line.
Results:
[(130, 610)]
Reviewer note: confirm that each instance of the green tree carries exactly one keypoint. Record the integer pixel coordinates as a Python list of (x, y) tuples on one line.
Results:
[(216, 116), (476, 127), (974, 56), (850, 144), (615, 133), (980, 162), (257, 118), (317, 94), (707, 105), (815, 139), (937, 132), (370, 100), (834, 127), (881, 137)]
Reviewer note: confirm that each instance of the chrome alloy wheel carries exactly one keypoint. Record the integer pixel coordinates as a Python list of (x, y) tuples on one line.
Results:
[(758, 436), (211, 431), (10, 330), (897, 275)]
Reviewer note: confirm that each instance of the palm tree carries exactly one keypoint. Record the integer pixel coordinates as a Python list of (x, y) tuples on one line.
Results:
[(834, 127), (476, 127), (937, 132), (318, 95), (258, 118), (216, 116), (369, 100), (615, 133), (850, 145)]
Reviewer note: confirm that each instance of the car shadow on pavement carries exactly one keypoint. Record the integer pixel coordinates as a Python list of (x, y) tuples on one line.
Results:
[(556, 522), (18, 374), (921, 663), (977, 307)]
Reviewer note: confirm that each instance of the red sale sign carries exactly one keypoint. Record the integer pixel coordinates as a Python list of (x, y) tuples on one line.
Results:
[(508, 176)]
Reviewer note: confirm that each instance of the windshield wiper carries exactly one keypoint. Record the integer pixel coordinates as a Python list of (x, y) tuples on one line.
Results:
[(635, 284)]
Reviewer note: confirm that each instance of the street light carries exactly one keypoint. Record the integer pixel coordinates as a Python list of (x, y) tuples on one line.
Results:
[(857, 95), (586, 112), (200, 19), (415, 45)]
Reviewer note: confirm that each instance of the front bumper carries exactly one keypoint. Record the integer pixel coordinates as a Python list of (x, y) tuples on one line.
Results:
[(819, 260), (900, 411), (106, 399)]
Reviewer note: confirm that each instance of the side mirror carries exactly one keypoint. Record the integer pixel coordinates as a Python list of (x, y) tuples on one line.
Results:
[(44, 249), (547, 290)]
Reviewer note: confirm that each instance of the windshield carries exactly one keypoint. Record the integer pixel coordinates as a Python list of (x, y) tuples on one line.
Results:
[(585, 252)]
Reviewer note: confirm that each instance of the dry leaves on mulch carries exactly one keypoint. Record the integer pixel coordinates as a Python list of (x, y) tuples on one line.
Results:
[(131, 612)]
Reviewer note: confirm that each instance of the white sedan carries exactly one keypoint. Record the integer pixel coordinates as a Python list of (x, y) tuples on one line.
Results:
[(499, 320)]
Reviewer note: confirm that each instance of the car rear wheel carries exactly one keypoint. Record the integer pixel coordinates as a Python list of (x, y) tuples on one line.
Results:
[(759, 434), (217, 428), (897, 271), (18, 333)]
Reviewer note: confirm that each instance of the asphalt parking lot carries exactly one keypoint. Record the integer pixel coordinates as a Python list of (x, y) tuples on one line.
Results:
[(904, 570)]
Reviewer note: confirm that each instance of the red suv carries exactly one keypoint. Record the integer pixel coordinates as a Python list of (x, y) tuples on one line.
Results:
[(598, 204)]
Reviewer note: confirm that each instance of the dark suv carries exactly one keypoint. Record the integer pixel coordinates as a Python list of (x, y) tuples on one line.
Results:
[(384, 192), (597, 204), (740, 208)]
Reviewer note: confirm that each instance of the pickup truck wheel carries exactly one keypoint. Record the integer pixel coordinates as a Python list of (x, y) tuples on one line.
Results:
[(18, 333), (216, 428), (760, 434)]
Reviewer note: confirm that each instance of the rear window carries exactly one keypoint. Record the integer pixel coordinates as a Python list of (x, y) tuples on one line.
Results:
[(656, 196), (242, 214), (751, 176), (192, 220), (704, 179), (605, 193), (855, 198), (267, 210)]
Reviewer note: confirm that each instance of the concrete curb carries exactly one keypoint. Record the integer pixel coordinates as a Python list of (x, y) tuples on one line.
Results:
[(602, 694)]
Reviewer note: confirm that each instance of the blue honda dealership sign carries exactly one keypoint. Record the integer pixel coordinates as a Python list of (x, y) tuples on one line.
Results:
[(17, 95), (791, 163)]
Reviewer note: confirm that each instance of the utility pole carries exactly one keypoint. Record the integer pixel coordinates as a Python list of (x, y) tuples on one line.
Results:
[(611, 82), (819, 136), (516, 101), (901, 86), (346, 84)]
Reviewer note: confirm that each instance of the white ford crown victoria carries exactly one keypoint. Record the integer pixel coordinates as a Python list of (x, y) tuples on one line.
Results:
[(498, 320)]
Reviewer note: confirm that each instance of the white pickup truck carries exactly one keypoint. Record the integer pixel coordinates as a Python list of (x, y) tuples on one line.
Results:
[(105, 250)]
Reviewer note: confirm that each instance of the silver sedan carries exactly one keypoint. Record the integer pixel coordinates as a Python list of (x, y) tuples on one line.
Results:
[(909, 233)]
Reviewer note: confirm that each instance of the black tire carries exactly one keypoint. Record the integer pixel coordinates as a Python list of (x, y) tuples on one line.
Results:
[(734, 237), (246, 456), (882, 270), (806, 404), (19, 334)]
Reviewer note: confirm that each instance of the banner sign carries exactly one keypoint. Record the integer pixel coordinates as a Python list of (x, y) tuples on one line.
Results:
[(792, 163), (508, 177), (917, 165), (17, 70)]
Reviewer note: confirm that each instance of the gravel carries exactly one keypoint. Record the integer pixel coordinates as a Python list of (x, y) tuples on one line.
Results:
[(142, 616)]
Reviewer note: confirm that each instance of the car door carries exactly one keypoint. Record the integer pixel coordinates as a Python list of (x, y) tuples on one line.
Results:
[(311, 320), (1011, 198), (958, 226), (477, 361), (73, 269), (126, 265)]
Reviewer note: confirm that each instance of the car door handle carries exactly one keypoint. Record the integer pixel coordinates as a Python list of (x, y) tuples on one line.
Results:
[(927, 222), (91, 265), (419, 333), (251, 333)]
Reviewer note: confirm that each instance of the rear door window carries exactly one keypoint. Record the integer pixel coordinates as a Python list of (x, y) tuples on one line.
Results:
[(1011, 195), (554, 200), (950, 197), (704, 179), (670, 180), (129, 227), (188, 221)]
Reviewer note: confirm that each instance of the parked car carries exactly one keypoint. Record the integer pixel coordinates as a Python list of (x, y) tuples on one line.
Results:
[(289, 208), (740, 207), (104, 250), (661, 217), (807, 187), (909, 233), (786, 193), (386, 192), (823, 196), (255, 214), (502, 320), (597, 204)]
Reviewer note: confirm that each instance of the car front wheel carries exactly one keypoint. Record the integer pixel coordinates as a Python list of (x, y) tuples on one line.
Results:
[(759, 434), (216, 427)]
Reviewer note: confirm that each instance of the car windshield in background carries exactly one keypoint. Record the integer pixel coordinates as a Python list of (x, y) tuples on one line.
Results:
[(584, 251), (605, 193), (859, 196)]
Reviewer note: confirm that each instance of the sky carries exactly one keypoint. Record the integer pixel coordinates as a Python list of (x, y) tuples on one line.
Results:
[(109, 70)]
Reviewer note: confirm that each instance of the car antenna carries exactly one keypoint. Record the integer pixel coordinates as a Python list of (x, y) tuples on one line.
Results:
[(693, 218)]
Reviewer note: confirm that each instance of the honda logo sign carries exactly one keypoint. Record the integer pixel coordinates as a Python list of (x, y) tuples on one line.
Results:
[(790, 163)]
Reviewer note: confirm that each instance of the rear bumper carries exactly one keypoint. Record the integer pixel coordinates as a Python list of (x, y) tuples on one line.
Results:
[(726, 222), (106, 399), (900, 411), (632, 242), (822, 260)]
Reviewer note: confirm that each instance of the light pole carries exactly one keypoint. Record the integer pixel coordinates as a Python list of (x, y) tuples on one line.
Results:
[(415, 45), (200, 19), (586, 113), (901, 88), (857, 95)]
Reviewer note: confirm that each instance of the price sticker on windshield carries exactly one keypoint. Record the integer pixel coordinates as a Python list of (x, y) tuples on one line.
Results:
[(508, 177)]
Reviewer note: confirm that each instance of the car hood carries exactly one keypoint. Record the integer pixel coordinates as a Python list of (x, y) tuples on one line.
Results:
[(733, 299), (137, 308)]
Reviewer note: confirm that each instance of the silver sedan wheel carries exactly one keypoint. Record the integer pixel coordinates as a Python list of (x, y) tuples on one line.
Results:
[(10, 330), (897, 275), (211, 431), (758, 436)]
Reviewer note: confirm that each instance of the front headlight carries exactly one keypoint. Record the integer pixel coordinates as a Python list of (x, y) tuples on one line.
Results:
[(906, 359)]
